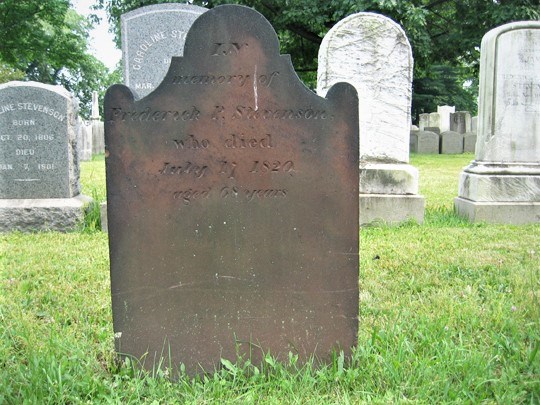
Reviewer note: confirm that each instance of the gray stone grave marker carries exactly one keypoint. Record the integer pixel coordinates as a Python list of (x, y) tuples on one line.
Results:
[(39, 163), (151, 35), (469, 142), (451, 143), (233, 205), (460, 122), (426, 142)]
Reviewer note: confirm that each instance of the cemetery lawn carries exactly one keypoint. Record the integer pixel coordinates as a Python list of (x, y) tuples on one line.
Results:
[(449, 312)]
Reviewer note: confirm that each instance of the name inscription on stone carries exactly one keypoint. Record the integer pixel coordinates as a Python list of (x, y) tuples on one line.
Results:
[(151, 35), (233, 204)]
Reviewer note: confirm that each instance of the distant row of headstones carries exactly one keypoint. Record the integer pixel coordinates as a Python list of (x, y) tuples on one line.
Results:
[(370, 51), (445, 131)]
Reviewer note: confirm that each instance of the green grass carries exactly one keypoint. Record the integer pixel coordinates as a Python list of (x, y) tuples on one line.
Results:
[(449, 313)]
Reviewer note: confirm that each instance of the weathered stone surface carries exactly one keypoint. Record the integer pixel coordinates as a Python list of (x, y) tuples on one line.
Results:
[(509, 108), (474, 124), (423, 121), (460, 122), (469, 142), (373, 53), (39, 159), (434, 121), (388, 179), (378, 209), (499, 187), (444, 113), (437, 130), (514, 213), (151, 35), (451, 143), (223, 202), (425, 142), (46, 214), (502, 185), (38, 127)]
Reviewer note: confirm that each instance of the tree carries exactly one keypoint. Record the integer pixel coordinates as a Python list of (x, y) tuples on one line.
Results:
[(48, 42), (445, 35)]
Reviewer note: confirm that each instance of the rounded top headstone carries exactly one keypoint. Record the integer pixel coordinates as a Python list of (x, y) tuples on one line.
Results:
[(372, 52), (226, 25), (61, 91), (509, 106)]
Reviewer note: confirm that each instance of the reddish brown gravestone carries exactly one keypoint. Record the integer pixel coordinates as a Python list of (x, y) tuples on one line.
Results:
[(233, 205)]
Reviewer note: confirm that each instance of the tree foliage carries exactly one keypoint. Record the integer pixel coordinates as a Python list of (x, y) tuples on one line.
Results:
[(47, 41), (445, 36)]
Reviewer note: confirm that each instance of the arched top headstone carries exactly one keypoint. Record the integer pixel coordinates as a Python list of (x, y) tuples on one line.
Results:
[(372, 52), (222, 173), (509, 106)]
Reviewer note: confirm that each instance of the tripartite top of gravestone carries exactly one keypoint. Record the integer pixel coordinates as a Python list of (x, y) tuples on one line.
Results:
[(509, 108), (233, 204), (37, 142), (150, 37), (373, 53)]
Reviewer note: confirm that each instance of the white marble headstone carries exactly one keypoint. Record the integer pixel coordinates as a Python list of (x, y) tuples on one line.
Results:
[(509, 110), (372, 53), (444, 112), (502, 184)]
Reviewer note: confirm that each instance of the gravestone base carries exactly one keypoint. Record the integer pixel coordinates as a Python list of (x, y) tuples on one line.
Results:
[(499, 187), (47, 214), (390, 209), (499, 193), (388, 178), (515, 213)]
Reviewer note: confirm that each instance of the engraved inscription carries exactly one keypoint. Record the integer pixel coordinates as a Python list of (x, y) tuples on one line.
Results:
[(252, 194), (198, 171), (192, 114), (231, 48), (186, 196), (228, 168), (274, 166), (250, 113), (241, 142), (31, 107), (191, 143), (153, 39), (229, 79)]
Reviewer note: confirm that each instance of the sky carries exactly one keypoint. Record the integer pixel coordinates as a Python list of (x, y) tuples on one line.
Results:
[(101, 41)]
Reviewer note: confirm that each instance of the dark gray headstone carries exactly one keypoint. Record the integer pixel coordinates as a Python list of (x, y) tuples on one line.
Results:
[(469, 142), (460, 121), (437, 130), (232, 205), (38, 133), (425, 142), (451, 143), (151, 35)]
